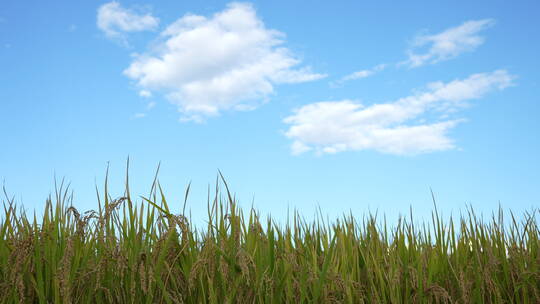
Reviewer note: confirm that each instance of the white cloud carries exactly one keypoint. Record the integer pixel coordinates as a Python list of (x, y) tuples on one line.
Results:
[(358, 75), (150, 105), (229, 61), (449, 43), (145, 93), (393, 128), (114, 20)]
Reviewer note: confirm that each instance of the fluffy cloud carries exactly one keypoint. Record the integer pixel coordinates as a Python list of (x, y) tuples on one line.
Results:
[(335, 126), (114, 20), (229, 61), (358, 75), (448, 44)]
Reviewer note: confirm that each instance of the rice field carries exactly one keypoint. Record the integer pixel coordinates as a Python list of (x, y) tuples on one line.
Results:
[(134, 250)]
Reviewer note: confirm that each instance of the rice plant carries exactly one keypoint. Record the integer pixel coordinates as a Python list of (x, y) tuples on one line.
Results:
[(134, 250)]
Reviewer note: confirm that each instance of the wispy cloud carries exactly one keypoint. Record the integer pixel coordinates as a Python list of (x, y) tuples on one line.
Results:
[(145, 93), (358, 75), (150, 105), (447, 44), (138, 115), (336, 126), (115, 20), (228, 61)]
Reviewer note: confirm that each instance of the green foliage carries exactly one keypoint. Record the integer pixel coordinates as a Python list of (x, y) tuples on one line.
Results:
[(139, 252)]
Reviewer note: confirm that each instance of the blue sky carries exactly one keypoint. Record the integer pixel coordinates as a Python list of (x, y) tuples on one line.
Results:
[(346, 106)]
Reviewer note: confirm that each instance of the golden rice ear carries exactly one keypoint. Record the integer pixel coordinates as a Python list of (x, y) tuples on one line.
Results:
[(132, 252)]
